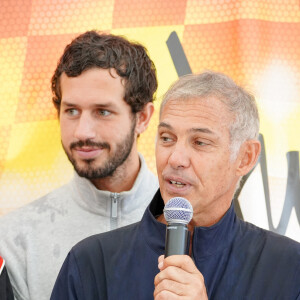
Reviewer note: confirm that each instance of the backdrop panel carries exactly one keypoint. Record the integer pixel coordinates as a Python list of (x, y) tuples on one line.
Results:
[(255, 42)]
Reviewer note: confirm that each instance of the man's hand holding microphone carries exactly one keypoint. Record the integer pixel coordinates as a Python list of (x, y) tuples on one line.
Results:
[(178, 278)]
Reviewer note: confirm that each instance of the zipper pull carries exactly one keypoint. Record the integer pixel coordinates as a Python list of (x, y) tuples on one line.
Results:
[(114, 206)]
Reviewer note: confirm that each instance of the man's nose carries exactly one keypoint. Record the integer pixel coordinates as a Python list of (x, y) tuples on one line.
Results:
[(85, 127), (180, 156)]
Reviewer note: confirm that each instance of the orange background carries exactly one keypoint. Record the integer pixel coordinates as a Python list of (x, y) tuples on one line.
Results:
[(255, 42)]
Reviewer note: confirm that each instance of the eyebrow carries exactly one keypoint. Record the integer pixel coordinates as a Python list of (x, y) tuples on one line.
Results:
[(104, 105), (164, 125), (67, 103), (203, 130), (192, 130)]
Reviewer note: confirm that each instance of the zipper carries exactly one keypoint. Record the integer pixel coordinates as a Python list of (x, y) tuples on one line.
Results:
[(114, 211)]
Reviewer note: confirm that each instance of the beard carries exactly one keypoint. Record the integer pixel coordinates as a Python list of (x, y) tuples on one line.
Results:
[(90, 170)]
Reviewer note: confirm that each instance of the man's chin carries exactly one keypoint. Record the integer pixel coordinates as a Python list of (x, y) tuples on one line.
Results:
[(84, 168), (88, 174), (93, 172)]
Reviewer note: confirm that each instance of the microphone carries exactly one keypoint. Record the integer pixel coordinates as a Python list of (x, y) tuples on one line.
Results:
[(178, 213)]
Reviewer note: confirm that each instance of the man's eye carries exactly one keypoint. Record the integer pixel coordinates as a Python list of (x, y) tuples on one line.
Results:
[(72, 112), (104, 112), (200, 143), (165, 139)]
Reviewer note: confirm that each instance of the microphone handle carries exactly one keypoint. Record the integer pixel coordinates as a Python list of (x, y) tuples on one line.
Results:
[(176, 239)]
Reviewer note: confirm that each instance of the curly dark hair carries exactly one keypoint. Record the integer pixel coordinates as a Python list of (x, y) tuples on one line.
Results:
[(94, 49)]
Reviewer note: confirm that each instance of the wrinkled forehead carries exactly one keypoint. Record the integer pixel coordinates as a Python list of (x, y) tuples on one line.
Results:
[(202, 107)]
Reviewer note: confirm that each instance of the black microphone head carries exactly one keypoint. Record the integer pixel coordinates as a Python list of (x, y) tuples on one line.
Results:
[(178, 210)]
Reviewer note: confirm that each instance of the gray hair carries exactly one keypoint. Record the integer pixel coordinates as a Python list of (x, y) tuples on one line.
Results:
[(245, 125)]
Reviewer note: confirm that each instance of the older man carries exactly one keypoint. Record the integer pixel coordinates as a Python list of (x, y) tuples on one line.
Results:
[(206, 141)]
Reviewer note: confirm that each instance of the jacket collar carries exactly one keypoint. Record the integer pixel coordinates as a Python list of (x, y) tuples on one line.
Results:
[(97, 201), (206, 240)]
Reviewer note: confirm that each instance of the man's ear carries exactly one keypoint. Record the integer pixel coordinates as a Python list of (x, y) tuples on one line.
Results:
[(248, 156), (143, 118)]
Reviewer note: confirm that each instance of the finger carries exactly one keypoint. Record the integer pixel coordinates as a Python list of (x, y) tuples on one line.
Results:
[(171, 286), (184, 262), (190, 287), (165, 295), (193, 290), (175, 274), (161, 261)]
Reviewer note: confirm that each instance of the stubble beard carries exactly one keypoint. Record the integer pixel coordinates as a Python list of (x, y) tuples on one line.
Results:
[(116, 159)]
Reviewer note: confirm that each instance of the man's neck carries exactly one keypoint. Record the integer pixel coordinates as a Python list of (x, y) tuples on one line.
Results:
[(203, 219)]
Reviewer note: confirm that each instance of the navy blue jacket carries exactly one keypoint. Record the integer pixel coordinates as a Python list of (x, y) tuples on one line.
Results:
[(238, 261)]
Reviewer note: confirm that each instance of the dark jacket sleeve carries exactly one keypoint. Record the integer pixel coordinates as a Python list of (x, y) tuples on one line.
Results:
[(68, 285), (6, 292)]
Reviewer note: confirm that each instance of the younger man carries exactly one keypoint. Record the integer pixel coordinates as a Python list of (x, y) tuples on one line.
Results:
[(103, 90)]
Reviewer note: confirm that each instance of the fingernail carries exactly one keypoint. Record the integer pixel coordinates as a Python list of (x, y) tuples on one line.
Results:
[(160, 265)]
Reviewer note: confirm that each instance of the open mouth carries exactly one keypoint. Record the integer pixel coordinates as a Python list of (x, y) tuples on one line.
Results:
[(177, 183)]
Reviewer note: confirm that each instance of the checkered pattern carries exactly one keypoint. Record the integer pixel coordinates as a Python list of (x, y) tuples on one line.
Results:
[(252, 41)]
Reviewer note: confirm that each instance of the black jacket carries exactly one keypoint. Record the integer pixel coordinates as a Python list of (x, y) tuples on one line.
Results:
[(238, 261), (6, 292)]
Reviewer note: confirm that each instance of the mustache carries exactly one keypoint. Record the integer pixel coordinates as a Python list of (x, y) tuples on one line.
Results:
[(89, 143)]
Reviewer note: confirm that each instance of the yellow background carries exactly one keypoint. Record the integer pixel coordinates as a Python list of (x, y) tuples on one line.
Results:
[(255, 42)]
